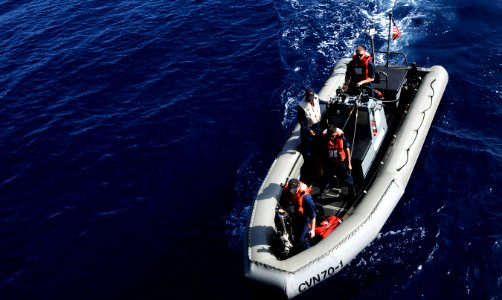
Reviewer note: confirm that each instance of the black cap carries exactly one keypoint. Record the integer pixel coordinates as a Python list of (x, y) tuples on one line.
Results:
[(309, 94), (293, 183)]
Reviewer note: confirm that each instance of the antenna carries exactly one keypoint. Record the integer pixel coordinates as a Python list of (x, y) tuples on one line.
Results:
[(372, 32)]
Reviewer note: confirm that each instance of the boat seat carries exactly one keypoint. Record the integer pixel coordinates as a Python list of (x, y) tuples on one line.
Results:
[(389, 81), (378, 78)]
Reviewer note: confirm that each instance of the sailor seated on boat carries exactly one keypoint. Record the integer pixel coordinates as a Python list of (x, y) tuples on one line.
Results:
[(360, 71), (336, 162), (297, 201)]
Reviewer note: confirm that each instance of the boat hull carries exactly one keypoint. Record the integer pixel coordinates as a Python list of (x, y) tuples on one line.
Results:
[(298, 273)]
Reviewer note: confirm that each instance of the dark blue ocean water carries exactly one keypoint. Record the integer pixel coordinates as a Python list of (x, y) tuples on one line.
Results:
[(134, 136)]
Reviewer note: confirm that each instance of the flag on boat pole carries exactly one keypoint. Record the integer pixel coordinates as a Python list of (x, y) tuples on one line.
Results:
[(395, 31)]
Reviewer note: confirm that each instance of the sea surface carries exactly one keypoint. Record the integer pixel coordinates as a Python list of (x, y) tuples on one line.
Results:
[(134, 136)]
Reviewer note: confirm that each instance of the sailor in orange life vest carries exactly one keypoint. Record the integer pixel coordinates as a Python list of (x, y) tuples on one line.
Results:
[(309, 117), (298, 202), (360, 71), (337, 159)]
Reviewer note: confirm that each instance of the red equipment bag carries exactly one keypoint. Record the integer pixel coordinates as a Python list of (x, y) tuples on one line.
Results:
[(325, 227)]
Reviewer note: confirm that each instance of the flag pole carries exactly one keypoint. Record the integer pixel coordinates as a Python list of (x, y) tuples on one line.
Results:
[(388, 39)]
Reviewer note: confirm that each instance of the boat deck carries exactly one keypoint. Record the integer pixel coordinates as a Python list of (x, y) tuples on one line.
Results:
[(332, 202)]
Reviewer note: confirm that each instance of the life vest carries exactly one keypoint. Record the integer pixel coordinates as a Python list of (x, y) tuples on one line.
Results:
[(360, 67), (297, 199), (312, 113), (325, 227), (335, 147)]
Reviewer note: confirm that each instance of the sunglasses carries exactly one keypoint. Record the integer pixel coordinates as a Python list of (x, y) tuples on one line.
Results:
[(359, 54)]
